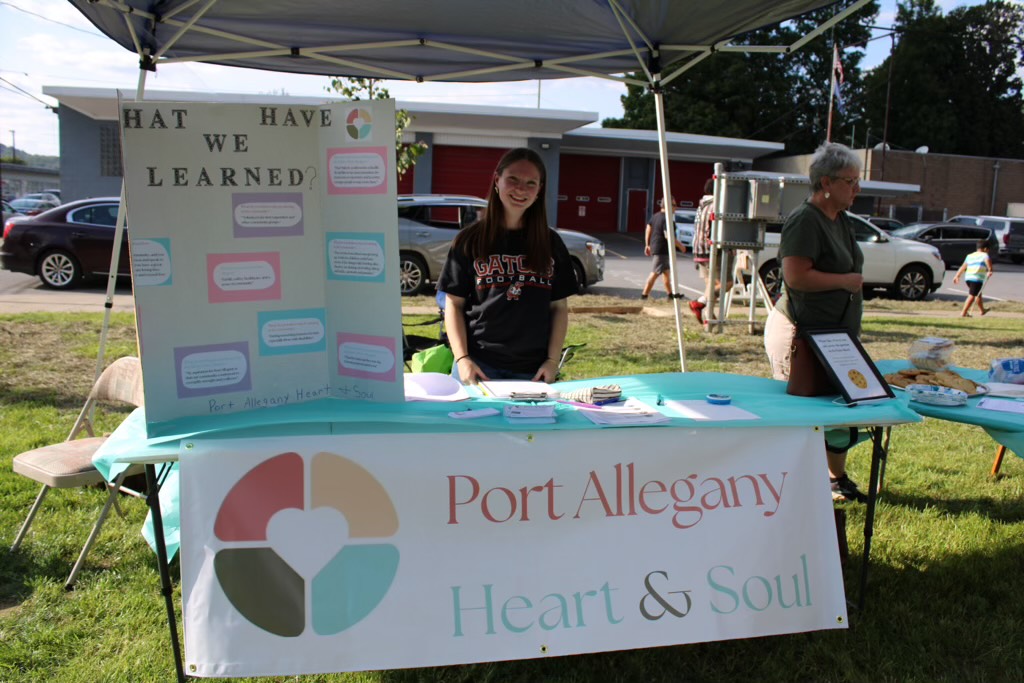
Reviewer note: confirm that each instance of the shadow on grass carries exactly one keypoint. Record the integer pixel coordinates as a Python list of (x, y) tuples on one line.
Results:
[(53, 397), (1007, 512)]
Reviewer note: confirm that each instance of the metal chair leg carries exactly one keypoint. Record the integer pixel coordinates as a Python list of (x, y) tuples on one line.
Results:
[(31, 515), (114, 490)]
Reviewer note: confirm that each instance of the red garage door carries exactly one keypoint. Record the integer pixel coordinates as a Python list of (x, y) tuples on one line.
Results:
[(687, 181), (406, 180), (588, 193), (464, 170)]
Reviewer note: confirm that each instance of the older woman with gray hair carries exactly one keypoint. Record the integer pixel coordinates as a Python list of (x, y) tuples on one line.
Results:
[(821, 269)]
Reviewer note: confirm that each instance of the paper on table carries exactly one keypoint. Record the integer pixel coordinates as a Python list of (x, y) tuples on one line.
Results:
[(511, 388), (530, 410), (630, 413), (1003, 405), (433, 386), (702, 410), (1005, 389), (520, 413)]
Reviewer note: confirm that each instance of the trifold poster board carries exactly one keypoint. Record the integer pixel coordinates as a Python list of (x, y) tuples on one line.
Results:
[(350, 552), (264, 245)]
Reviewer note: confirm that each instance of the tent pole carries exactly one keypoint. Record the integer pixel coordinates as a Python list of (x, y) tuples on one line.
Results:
[(670, 220), (115, 253)]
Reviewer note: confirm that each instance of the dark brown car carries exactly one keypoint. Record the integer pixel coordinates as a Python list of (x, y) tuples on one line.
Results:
[(66, 244)]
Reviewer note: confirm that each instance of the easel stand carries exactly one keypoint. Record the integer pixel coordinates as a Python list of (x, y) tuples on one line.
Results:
[(719, 300)]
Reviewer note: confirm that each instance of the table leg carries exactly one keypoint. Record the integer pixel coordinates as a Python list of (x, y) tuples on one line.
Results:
[(153, 500), (885, 447), (878, 454), (1000, 452)]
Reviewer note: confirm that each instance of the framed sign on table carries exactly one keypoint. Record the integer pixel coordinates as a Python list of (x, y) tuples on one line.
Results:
[(849, 366)]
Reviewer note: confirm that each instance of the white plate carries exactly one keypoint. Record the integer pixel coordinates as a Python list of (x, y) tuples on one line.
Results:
[(982, 389), (937, 396)]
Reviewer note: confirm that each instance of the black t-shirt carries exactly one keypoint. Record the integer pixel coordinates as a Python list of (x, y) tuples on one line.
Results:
[(659, 246), (508, 306)]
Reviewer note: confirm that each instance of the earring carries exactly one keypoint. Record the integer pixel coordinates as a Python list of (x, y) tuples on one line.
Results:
[(827, 195)]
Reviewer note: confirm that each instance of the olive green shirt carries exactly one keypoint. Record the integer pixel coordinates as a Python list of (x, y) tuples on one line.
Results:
[(832, 248)]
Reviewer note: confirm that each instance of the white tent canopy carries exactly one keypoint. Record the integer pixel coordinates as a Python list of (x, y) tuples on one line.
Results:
[(453, 40)]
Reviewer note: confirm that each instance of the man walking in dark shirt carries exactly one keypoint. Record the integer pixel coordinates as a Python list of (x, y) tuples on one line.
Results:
[(656, 243)]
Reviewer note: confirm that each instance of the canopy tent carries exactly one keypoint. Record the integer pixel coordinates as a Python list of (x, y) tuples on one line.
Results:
[(454, 40)]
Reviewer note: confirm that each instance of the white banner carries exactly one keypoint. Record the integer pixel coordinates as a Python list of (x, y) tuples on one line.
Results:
[(307, 555)]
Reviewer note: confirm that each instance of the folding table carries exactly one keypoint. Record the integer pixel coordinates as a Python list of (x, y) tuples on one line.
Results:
[(765, 398)]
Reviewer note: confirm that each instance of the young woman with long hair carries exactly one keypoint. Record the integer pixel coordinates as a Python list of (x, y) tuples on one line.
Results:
[(507, 279)]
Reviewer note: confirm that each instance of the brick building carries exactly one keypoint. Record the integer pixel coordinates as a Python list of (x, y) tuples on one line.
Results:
[(949, 184)]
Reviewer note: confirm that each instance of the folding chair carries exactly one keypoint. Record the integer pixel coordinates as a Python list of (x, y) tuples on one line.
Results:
[(69, 464)]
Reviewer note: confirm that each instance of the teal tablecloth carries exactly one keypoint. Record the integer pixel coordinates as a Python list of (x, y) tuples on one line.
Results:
[(766, 398), (1006, 428)]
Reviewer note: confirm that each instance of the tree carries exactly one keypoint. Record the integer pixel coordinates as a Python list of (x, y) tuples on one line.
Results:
[(953, 81), (764, 96), (355, 88)]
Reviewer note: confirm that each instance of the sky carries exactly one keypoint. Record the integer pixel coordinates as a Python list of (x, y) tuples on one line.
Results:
[(50, 43)]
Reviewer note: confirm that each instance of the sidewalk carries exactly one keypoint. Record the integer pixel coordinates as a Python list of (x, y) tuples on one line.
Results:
[(40, 300)]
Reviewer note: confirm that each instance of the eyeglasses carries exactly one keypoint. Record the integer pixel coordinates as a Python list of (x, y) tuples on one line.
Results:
[(849, 181)]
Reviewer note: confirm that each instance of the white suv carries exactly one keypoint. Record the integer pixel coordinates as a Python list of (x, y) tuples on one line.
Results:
[(903, 268)]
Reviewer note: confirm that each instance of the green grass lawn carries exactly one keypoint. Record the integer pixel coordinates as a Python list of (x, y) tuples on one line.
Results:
[(943, 602)]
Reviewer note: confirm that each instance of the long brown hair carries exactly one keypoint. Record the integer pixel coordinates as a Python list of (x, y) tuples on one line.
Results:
[(481, 238)]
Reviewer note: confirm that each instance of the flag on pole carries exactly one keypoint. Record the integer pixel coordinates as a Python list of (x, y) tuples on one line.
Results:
[(838, 79)]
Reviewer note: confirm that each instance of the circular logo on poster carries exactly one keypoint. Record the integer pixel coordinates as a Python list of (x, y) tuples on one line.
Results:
[(283, 550), (359, 124)]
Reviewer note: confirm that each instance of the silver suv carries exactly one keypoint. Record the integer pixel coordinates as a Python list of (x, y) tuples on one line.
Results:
[(427, 223), (1009, 233)]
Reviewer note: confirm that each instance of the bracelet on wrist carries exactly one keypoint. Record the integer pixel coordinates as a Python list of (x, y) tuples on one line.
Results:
[(461, 357)]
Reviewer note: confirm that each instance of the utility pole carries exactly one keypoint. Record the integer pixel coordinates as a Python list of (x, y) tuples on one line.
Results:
[(14, 148), (888, 95)]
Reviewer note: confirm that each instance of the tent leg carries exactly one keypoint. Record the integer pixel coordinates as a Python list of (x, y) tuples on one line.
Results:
[(670, 222)]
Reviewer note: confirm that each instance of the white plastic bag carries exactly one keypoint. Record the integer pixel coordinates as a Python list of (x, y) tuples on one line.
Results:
[(1007, 370)]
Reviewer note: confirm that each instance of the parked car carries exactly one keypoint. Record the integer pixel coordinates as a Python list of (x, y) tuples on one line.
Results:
[(32, 207), (686, 220), (902, 268), (45, 195), (953, 240), (66, 244), (1004, 227), (885, 223), (1006, 230), (8, 211), (427, 223)]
